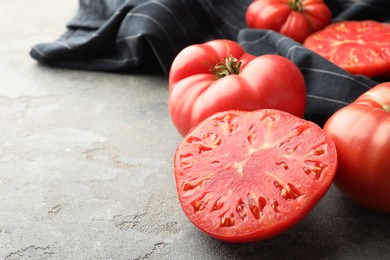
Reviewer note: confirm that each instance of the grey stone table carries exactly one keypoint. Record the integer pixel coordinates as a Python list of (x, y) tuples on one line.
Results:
[(86, 169)]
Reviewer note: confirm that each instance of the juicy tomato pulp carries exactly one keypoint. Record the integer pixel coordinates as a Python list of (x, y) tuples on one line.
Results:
[(247, 176), (359, 47)]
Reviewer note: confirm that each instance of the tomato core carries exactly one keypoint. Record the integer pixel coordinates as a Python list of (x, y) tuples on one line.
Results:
[(296, 5), (229, 66)]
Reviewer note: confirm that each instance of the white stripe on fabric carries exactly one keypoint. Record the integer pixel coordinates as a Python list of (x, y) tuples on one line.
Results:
[(64, 44), (192, 19), (94, 59), (117, 61), (230, 18), (231, 24), (293, 48), (218, 29), (328, 99), (42, 54), (118, 12), (257, 40), (158, 24), (338, 75), (241, 8), (174, 17), (96, 34), (280, 40), (242, 4), (130, 37)]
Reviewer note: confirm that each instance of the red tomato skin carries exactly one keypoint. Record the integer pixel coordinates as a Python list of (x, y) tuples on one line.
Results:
[(268, 81), (217, 159), (361, 132), (278, 15)]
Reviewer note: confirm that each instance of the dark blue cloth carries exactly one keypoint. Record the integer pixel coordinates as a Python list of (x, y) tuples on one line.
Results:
[(145, 36)]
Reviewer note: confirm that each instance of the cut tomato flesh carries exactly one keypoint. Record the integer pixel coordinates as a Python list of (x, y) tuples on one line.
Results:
[(247, 176), (359, 47)]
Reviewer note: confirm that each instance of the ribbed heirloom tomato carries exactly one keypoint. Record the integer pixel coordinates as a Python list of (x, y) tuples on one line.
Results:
[(219, 75), (244, 176), (361, 132), (296, 19)]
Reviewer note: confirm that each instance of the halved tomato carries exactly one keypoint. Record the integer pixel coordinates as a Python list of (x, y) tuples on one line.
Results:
[(359, 47), (248, 176)]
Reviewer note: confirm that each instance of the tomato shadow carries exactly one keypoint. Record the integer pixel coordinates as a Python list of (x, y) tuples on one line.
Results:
[(335, 229)]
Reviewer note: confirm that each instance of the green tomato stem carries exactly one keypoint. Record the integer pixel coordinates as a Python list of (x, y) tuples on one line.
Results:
[(386, 107), (296, 5), (229, 66)]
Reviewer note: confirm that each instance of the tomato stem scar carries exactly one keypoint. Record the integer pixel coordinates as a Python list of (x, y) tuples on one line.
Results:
[(296, 5), (229, 66)]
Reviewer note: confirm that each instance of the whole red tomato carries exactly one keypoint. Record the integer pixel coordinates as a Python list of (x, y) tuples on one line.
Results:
[(219, 75), (359, 47), (361, 132), (296, 19), (243, 176)]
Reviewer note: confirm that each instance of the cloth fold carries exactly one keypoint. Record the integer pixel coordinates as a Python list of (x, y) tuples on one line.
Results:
[(121, 36), (145, 36)]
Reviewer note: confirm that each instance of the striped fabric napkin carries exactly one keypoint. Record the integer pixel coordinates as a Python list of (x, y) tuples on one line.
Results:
[(134, 36)]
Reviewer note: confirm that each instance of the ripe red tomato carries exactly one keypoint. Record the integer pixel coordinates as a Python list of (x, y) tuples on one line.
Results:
[(219, 75), (361, 132), (359, 47), (296, 19), (243, 176)]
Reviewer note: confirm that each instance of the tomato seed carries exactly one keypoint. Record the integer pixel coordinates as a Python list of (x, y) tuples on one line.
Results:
[(254, 207), (314, 169), (242, 211), (228, 221), (219, 204), (283, 164)]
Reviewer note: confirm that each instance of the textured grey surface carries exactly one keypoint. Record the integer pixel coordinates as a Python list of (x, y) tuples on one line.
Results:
[(86, 166)]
